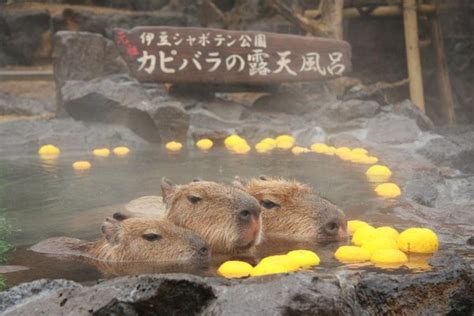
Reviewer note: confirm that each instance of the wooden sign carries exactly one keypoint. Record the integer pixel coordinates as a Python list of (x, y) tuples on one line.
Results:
[(202, 55)]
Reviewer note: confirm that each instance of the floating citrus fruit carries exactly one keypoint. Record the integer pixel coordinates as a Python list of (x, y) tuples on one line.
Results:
[(235, 269), (304, 258), (121, 151), (263, 147), (388, 257), (389, 190), (297, 150), (352, 254), (319, 148), (241, 149), (363, 234), (204, 144), (81, 165), (388, 232), (359, 151), (173, 146), (378, 171), (283, 260), (101, 152), (353, 225), (267, 269), (49, 150), (379, 243), (418, 240), (270, 141)]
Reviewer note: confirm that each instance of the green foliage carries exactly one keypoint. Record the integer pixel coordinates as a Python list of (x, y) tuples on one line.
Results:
[(5, 230), (3, 283)]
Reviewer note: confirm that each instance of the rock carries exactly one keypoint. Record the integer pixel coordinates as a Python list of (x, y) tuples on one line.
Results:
[(226, 110), (446, 289), (304, 293), (202, 118), (72, 59), (30, 294), (454, 149), (309, 135), (344, 140), (285, 102), (113, 99), (349, 110), (105, 23), (459, 190), (24, 35), (421, 191), (27, 135), (12, 105), (392, 129), (171, 120), (412, 292), (408, 109)]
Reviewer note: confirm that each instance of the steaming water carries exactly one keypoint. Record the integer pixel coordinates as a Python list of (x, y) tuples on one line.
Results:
[(48, 198)]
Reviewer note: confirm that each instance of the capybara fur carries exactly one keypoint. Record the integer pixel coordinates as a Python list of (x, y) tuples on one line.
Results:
[(132, 240), (225, 216), (293, 210)]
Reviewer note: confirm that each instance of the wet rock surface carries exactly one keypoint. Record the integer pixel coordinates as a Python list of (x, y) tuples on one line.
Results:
[(448, 288), (121, 100), (12, 105), (26, 136), (72, 59), (104, 24), (21, 36)]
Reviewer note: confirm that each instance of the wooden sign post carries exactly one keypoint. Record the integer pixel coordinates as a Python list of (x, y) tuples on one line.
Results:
[(213, 56)]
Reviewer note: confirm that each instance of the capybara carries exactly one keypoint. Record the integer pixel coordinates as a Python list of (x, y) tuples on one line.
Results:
[(291, 209), (132, 240), (225, 216)]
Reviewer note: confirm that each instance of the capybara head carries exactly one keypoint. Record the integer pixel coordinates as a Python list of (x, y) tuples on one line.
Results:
[(225, 216), (293, 210), (147, 240)]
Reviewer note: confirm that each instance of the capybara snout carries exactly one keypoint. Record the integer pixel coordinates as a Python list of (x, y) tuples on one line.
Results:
[(225, 216)]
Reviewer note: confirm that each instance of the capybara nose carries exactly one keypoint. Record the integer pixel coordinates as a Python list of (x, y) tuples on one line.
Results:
[(336, 228), (331, 228)]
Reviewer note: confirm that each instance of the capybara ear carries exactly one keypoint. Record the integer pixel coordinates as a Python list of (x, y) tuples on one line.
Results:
[(238, 183), (263, 177), (120, 216), (167, 187), (110, 228)]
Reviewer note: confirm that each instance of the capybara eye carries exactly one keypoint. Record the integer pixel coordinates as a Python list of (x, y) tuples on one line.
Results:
[(194, 199), (245, 215), (332, 228), (268, 204), (151, 237)]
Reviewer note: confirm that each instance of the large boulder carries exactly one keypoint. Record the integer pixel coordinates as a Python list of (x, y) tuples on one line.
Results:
[(447, 289), (410, 110), (28, 135), (454, 148), (24, 36), (171, 120), (392, 129), (343, 111), (72, 59), (121, 100)]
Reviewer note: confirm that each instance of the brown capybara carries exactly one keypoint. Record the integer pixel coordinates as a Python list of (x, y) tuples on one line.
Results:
[(225, 216), (291, 209), (132, 240)]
